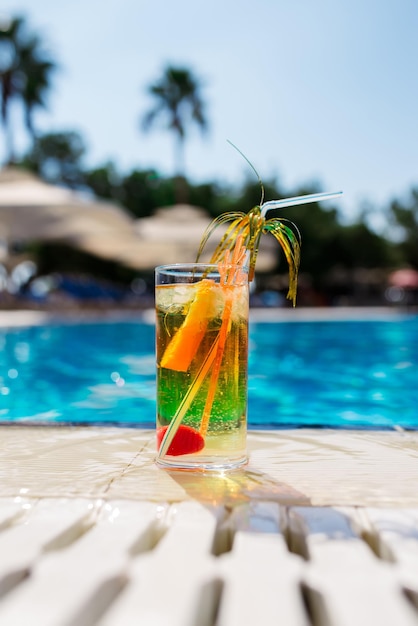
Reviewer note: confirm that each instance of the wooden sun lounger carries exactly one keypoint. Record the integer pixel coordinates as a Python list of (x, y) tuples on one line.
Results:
[(321, 529)]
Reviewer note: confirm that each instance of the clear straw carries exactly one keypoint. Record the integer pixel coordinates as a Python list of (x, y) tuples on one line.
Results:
[(313, 197)]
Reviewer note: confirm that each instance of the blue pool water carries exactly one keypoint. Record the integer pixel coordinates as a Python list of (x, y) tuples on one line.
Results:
[(340, 374)]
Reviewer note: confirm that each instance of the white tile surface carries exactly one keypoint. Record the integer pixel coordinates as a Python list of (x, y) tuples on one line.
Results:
[(317, 467)]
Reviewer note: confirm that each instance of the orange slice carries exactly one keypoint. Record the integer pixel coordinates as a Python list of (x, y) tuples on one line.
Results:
[(182, 348)]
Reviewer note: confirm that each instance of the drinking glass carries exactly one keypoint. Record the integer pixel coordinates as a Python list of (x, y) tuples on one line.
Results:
[(202, 363)]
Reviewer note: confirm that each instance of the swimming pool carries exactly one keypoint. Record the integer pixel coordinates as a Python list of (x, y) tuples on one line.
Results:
[(340, 374)]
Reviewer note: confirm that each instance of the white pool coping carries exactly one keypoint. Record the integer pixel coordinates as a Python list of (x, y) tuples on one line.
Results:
[(36, 317), (321, 467)]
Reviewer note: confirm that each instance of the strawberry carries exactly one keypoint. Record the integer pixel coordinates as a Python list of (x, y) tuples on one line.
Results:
[(187, 440)]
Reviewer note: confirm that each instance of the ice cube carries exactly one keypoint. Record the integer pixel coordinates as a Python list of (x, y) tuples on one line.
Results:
[(173, 298)]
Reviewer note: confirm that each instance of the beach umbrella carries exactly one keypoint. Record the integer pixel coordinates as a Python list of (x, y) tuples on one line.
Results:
[(172, 235), (176, 232), (31, 209), (128, 249)]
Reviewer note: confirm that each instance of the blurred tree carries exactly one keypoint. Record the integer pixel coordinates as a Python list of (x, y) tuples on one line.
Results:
[(212, 197), (320, 232), (404, 216), (104, 181), (145, 191), (57, 157), (178, 103), (328, 245), (37, 82), (360, 247), (25, 74)]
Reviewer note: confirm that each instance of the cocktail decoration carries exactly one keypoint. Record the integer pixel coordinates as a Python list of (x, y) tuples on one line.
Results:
[(202, 338), (250, 226)]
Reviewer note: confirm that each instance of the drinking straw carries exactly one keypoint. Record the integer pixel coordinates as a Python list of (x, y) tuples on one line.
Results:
[(312, 197)]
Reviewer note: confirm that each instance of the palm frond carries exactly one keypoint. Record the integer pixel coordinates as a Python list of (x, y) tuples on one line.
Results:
[(239, 227), (235, 217), (290, 244)]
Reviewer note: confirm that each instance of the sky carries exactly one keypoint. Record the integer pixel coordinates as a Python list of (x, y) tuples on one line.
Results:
[(320, 92)]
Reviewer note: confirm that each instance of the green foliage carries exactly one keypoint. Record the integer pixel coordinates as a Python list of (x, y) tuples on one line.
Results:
[(57, 157), (404, 217), (144, 191), (104, 181), (212, 196), (371, 249)]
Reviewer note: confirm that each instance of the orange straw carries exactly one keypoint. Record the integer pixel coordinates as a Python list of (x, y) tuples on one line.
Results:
[(227, 280)]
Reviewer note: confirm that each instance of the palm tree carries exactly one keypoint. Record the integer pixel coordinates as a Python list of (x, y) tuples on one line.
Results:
[(177, 103), (37, 70), (25, 70)]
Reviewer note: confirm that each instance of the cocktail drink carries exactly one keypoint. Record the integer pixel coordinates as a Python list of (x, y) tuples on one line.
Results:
[(202, 339), (202, 345)]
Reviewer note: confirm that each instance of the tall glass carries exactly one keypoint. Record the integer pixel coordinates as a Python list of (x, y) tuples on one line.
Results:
[(202, 357)]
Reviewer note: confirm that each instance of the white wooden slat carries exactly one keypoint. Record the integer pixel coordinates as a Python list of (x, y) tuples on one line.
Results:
[(175, 585), (73, 586), (352, 586), (258, 517), (45, 523), (262, 579), (124, 562), (10, 510), (262, 584), (192, 528), (395, 533)]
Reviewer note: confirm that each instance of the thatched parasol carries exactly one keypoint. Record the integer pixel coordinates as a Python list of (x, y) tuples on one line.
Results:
[(31, 209)]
